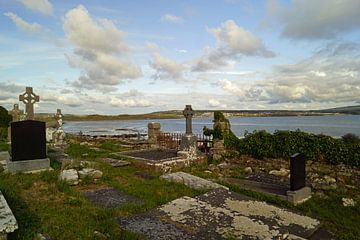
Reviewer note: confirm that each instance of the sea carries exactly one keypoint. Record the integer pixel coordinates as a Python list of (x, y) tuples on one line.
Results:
[(335, 126)]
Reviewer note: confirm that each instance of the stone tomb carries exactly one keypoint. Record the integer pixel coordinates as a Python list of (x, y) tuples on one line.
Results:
[(28, 146)]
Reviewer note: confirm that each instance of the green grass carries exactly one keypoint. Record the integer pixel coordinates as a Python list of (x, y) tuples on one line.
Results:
[(42, 204), (4, 146)]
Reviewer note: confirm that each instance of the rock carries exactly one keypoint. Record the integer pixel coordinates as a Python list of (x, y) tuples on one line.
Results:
[(115, 162), (40, 236), (348, 202), (70, 176), (90, 172), (213, 168), (280, 173), (100, 236), (85, 143), (248, 170), (85, 154), (208, 172), (329, 180), (191, 181), (224, 165), (70, 164)]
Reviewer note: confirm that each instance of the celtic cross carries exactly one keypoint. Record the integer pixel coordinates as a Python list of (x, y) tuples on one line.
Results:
[(29, 98), (188, 113), (16, 113)]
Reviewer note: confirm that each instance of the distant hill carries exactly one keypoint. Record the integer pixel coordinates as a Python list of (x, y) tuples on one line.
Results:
[(344, 110)]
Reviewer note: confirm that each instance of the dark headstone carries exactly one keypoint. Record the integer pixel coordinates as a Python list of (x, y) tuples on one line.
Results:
[(28, 140), (297, 171)]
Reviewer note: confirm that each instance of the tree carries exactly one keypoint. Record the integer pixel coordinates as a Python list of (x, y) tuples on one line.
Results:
[(5, 118)]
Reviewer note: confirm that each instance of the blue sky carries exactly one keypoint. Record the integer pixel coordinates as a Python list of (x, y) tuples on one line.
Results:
[(115, 57)]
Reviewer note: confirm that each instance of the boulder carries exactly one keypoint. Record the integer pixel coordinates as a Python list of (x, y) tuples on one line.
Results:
[(70, 176), (348, 202), (248, 170), (280, 173)]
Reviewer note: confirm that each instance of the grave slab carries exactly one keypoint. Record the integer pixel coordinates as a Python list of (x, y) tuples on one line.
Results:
[(221, 214), (191, 181), (110, 198), (8, 223)]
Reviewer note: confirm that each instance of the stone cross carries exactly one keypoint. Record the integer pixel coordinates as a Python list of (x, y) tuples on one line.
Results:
[(29, 98), (16, 113), (58, 117), (188, 114)]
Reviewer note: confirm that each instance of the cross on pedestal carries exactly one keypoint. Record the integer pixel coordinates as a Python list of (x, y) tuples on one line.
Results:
[(188, 113), (29, 98), (16, 113)]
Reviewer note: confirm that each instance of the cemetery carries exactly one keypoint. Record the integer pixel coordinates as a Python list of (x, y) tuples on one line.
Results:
[(56, 185)]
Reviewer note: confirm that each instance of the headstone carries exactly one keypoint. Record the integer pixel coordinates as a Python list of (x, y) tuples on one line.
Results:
[(299, 192), (58, 116), (297, 171), (188, 141), (29, 98), (28, 140)]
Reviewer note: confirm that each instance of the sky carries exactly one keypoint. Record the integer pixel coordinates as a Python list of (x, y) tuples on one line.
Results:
[(139, 56)]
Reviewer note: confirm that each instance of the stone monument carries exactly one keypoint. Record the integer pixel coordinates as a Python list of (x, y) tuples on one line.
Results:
[(16, 114), (29, 98), (153, 132), (59, 135), (28, 145), (299, 192), (189, 140)]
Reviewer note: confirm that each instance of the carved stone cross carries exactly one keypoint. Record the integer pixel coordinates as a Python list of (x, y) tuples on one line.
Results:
[(16, 113), (188, 114), (29, 98)]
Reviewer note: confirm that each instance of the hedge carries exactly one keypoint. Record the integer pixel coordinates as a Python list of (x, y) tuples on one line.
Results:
[(282, 144)]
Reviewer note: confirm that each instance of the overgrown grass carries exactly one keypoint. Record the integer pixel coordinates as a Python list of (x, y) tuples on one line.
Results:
[(4, 146)]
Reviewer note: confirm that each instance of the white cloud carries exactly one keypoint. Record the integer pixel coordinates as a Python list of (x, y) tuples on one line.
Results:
[(216, 103), (166, 69), (321, 19), (233, 42), (171, 19), (32, 28), (43, 6), (331, 75), (99, 51)]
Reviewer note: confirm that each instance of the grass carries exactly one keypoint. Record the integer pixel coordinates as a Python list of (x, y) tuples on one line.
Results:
[(4, 146), (42, 204)]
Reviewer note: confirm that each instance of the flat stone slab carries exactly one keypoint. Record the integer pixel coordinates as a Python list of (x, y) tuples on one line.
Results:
[(221, 214), (110, 198), (8, 222), (115, 162), (191, 181)]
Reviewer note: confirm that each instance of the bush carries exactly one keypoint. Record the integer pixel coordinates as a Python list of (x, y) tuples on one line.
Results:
[(350, 138), (282, 144), (3, 133), (5, 118)]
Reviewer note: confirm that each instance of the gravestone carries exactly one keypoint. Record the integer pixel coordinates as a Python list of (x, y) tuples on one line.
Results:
[(29, 98), (299, 192), (188, 141), (16, 114), (28, 140), (297, 171), (59, 135)]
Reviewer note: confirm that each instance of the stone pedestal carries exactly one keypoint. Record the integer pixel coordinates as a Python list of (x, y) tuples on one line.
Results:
[(188, 141), (299, 196), (218, 149), (28, 165), (153, 132)]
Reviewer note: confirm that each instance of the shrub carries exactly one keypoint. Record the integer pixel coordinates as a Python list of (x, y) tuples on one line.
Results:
[(5, 118), (350, 138), (282, 144)]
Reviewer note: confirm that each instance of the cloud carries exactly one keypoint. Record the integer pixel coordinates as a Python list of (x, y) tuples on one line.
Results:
[(321, 19), (331, 75), (171, 19), (233, 42), (43, 6), (216, 103), (166, 69), (32, 28), (100, 51)]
